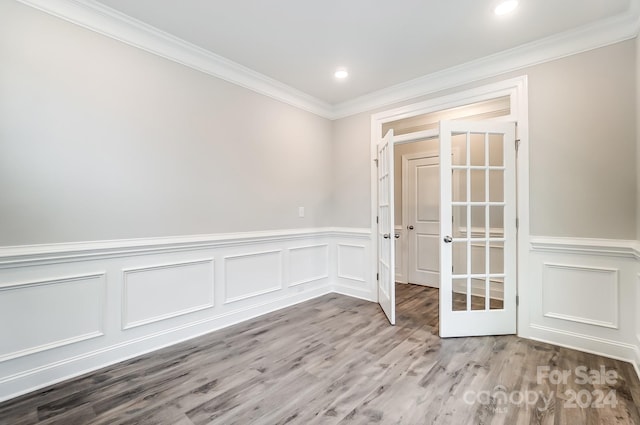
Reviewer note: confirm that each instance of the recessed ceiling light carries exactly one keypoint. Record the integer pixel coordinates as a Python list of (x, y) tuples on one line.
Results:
[(505, 7), (341, 73)]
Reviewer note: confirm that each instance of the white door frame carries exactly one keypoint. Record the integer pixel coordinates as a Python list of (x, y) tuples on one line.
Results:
[(405, 202), (517, 90)]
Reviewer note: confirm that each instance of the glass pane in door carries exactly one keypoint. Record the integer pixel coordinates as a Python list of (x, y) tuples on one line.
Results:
[(497, 294), (478, 294), (459, 295)]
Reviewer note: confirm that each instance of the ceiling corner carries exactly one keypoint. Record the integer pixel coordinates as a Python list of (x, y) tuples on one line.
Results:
[(99, 18)]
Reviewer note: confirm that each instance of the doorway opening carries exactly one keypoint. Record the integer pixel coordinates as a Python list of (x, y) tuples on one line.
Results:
[(478, 238)]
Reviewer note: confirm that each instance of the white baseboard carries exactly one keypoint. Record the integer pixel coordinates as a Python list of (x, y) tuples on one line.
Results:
[(636, 361), (354, 292), (586, 343)]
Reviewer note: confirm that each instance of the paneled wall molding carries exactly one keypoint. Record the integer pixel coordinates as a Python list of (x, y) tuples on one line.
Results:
[(155, 292), (111, 23), (34, 319), (584, 293), (182, 291), (33, 255), (585, 246), (563, 282)]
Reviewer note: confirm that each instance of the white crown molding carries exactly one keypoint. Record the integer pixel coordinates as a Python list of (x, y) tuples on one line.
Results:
[(97, 17), (106, 21), (586, 246), (30, 255), (599, 34)]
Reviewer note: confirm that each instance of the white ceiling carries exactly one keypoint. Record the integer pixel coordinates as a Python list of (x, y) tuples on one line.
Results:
[(381, 42)]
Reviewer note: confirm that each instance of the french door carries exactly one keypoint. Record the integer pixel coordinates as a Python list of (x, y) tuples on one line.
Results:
[(477, 228), (385, 234)]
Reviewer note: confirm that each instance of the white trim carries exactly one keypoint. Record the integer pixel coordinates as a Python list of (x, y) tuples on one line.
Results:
[(345, 276), (599, 34), (97, 17), (54, 281), (68, 368), (67, 341), (417, 136), (587, 321), (313, 278), (50, 346), (255, 293), (585, 343), (33, 255), (75, 356), (109, 22), (636, 360), (125, 299), (585, 246)]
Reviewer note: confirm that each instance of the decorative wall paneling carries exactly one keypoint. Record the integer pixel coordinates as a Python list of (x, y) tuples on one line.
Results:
[(585, 293), (66, 309)]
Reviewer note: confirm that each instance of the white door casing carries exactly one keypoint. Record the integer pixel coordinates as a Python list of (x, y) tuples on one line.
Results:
[(385, 229), (481, 216), (423, 219)]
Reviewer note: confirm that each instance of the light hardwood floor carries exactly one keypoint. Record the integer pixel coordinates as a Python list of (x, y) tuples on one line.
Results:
[(335, 360)]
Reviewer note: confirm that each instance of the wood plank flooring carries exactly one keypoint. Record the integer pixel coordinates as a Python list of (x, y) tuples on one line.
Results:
[(335, 360)]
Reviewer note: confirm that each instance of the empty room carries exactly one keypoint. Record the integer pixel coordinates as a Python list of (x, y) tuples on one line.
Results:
[(336, 212)]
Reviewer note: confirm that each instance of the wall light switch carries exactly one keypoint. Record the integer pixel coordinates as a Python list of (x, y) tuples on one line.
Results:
[(301, 212)]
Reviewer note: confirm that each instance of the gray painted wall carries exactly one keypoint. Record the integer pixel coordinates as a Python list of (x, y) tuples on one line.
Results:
[(582, 118), (100, 140)]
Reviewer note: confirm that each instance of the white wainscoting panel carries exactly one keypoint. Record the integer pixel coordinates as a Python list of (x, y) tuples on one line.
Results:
[(308, 264), (50, 313), (159, 292), (351, 262), (355, 265), (253, 274), (581, 294)]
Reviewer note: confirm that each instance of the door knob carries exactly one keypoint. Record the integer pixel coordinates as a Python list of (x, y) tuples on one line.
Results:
[(410, 227), (397, 235), (386, 236), (448, 239)]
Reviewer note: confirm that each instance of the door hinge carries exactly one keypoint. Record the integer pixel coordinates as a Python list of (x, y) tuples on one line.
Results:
[(517, 300), (517, 223), (377, 219), (517, 145), (376, 161), (377, 276)]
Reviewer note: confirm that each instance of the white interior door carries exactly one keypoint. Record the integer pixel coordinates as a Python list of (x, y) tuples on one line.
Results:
[(477, 228), (386, 234), (423, 220)]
